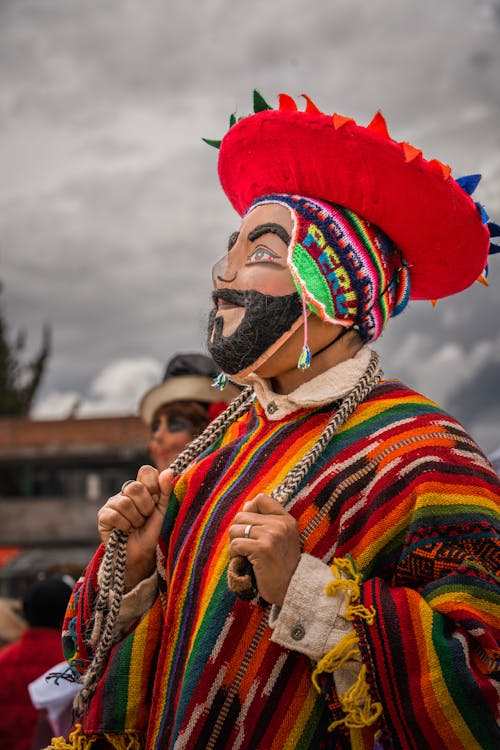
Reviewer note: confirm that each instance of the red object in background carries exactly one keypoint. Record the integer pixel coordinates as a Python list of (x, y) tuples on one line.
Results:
[(215, 409), (21, 662), (8, 553)]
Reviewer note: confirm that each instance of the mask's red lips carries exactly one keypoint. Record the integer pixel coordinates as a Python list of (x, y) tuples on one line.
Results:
[(224, 299), (222, 305)]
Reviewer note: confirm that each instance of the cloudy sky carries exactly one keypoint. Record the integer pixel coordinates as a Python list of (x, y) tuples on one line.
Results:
[(110, 210)]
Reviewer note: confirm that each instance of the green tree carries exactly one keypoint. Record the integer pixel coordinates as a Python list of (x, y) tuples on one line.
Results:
[(19, 380)]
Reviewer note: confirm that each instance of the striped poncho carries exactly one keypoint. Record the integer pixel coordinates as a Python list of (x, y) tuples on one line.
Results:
[(404, 501)]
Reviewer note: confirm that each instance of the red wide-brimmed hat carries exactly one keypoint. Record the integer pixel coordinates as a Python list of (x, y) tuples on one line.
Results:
[(442, 233)]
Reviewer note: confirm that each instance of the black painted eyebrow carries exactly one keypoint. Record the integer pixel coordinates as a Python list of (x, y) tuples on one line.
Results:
[(270, 228)]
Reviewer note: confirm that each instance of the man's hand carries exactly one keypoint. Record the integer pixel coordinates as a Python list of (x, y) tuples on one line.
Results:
[(139, 511), (272, 545)]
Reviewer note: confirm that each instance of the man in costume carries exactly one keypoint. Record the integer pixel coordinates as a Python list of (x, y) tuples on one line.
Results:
[(320, 568)]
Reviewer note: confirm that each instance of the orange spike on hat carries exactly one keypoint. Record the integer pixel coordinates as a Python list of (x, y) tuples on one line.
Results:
[(310, 105), (339, 121), (286, 102), (410, 151), (379, 125), (434, 302), (483, 280), (443, 168)]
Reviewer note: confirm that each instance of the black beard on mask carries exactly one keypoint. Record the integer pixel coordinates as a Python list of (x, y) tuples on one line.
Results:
[(266, 319)]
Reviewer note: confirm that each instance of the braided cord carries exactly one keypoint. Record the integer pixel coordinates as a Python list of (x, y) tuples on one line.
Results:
[(368, 380), (214, 430), (106, 636), (114, 562), (240, 575)]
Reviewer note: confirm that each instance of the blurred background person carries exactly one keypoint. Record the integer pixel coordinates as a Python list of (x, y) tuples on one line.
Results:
[(53, 693), (21, 662), (12, 623), (181, 406)]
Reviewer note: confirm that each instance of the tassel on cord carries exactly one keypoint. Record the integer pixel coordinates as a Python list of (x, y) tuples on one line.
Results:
[(349, 579), (79, 741), (304, 359), (359, 610), (220, 381), (358, 706), (351, 582), (359, 709), (346, 648), (346, 576), (305, 355), (75, 741)]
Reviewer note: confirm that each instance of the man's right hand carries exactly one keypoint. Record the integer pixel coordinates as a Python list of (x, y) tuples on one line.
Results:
[(139, 511)]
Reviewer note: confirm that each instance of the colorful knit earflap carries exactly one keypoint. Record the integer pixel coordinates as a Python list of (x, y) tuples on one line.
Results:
[(347, 271), (401, 284)]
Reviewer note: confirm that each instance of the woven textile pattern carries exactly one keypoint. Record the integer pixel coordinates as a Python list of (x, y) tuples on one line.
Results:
[(406, 493)]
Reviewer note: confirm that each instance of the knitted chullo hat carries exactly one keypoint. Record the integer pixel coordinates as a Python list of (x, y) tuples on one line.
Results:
[(442, 234), (348, 271)]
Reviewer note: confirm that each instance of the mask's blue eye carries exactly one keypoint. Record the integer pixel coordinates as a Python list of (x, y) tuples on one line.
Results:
[(179, 424), (262, 255), (172, 424)]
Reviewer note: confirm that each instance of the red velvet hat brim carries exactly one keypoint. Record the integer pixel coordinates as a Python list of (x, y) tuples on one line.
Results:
[(426, 213)]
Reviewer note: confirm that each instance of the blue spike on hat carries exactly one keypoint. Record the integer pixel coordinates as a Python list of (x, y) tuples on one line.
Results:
[(494, 229), (484, 215), (469, 182)]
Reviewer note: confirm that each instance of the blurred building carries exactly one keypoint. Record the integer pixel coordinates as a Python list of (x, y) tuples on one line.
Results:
[(54, 475)]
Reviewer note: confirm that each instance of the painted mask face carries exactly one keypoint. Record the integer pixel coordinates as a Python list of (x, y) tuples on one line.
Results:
[(255, 300), (173, 426), (169, 437)]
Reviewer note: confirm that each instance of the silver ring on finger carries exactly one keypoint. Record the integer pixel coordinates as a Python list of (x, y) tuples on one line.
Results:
[(247, 531), (125, 484)]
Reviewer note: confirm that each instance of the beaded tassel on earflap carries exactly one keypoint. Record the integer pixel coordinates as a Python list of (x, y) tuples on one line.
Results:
[(220, 381), (305, 356)]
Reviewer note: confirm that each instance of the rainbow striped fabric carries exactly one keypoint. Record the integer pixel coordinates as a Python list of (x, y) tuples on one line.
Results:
[(404, 491)]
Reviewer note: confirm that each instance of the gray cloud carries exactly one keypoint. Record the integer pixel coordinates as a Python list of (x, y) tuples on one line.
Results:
[(479, 398)]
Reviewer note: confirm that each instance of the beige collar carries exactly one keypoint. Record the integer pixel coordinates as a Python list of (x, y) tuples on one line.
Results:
[(321, 390)]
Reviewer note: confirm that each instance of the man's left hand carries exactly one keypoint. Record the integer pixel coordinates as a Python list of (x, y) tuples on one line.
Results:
[(271, 544)]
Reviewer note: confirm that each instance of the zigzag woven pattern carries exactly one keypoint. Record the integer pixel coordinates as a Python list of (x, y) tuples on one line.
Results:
[(405, 492)]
